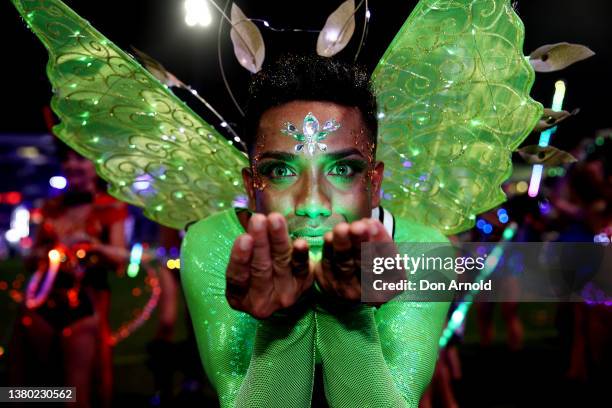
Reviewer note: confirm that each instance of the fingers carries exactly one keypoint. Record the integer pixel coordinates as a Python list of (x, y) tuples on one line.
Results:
[(361, 231), (326, 264), (280, 244), (340, 269), (259, 275), (342, 251), (328, 246), (378, 232), (346, 246), (238, 271), (288, 259), (291, 280), (284, 259), (261, 261)]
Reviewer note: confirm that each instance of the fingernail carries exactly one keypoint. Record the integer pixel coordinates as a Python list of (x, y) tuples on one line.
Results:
[(300, 244), (343, 228), (244, 243), (358, 228), (258, 224), (276, 224), (373, 229)]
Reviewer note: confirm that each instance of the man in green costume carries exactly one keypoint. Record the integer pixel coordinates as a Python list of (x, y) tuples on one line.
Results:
[(276, 290)]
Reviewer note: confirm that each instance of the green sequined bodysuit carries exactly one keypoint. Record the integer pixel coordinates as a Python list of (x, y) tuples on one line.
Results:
[(370, 357)]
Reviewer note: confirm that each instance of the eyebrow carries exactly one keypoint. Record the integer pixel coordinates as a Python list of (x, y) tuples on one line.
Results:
[(284, 156)]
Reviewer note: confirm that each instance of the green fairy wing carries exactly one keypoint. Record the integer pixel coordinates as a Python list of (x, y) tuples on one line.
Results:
[(453, 93), (155, 152)]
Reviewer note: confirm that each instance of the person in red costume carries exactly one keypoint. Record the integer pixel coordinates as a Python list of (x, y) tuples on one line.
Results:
[(67, 305)]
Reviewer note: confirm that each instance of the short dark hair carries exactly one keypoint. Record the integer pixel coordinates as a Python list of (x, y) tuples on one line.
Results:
[(293, 77)]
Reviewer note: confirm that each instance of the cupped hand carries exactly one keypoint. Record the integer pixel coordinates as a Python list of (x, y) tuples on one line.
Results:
[(266, 271), (339, 272)]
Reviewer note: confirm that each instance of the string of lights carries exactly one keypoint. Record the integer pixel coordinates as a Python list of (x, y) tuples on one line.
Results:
[(536, 174), (459, 314)]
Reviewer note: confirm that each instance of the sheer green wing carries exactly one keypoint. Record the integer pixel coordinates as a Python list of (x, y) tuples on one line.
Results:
[(453, 93), (154, 151)]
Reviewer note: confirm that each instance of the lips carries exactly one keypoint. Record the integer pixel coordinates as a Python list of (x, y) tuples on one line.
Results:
[(310, 232), (314, 236), (313, 241)]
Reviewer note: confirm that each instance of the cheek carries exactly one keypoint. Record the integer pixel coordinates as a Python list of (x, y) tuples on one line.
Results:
[(353, 202), (269, 200)]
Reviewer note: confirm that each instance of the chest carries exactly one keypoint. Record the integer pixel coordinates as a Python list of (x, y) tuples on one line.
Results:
[(80, 220)]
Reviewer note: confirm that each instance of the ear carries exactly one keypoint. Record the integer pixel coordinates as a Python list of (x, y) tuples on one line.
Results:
[(377, 178), (247, 179)]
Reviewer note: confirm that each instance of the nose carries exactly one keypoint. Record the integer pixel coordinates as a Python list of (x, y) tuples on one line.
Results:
[(314, 201)]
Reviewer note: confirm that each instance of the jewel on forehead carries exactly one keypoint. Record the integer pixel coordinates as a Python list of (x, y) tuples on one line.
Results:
[(312, 134)]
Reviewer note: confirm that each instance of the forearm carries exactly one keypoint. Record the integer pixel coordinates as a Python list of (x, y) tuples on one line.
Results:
[(283, 359), (117, 255), (409, 334), (355, 372), (380, 357)]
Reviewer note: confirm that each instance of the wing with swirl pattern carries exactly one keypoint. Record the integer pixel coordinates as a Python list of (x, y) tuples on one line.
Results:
[(155, 152), (453, 93)]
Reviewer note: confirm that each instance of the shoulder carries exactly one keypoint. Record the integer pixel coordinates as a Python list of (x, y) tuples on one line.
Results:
[(52, 207), (214, 227), (108, 209), (407, 230), (208, 242)]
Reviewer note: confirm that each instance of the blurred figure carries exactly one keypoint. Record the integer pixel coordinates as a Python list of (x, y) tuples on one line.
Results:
[(447, 371), (584, 203), (64, 323), (162, 349), (441, 390), (509, 310), (167, 356)]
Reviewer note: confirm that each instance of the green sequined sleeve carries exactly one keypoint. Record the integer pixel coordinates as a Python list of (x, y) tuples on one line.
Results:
[(410, 331), (247, 361), (224, 336), (383, 357)]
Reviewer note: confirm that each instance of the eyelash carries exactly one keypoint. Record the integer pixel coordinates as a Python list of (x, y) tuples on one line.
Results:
[(350, 171), (268, 169), (355, 166)]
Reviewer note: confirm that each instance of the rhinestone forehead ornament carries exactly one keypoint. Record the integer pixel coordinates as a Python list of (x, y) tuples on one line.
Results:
[(311, 134)]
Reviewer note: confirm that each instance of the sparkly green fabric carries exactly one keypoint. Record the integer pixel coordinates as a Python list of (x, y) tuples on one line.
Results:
[(370, 357)]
